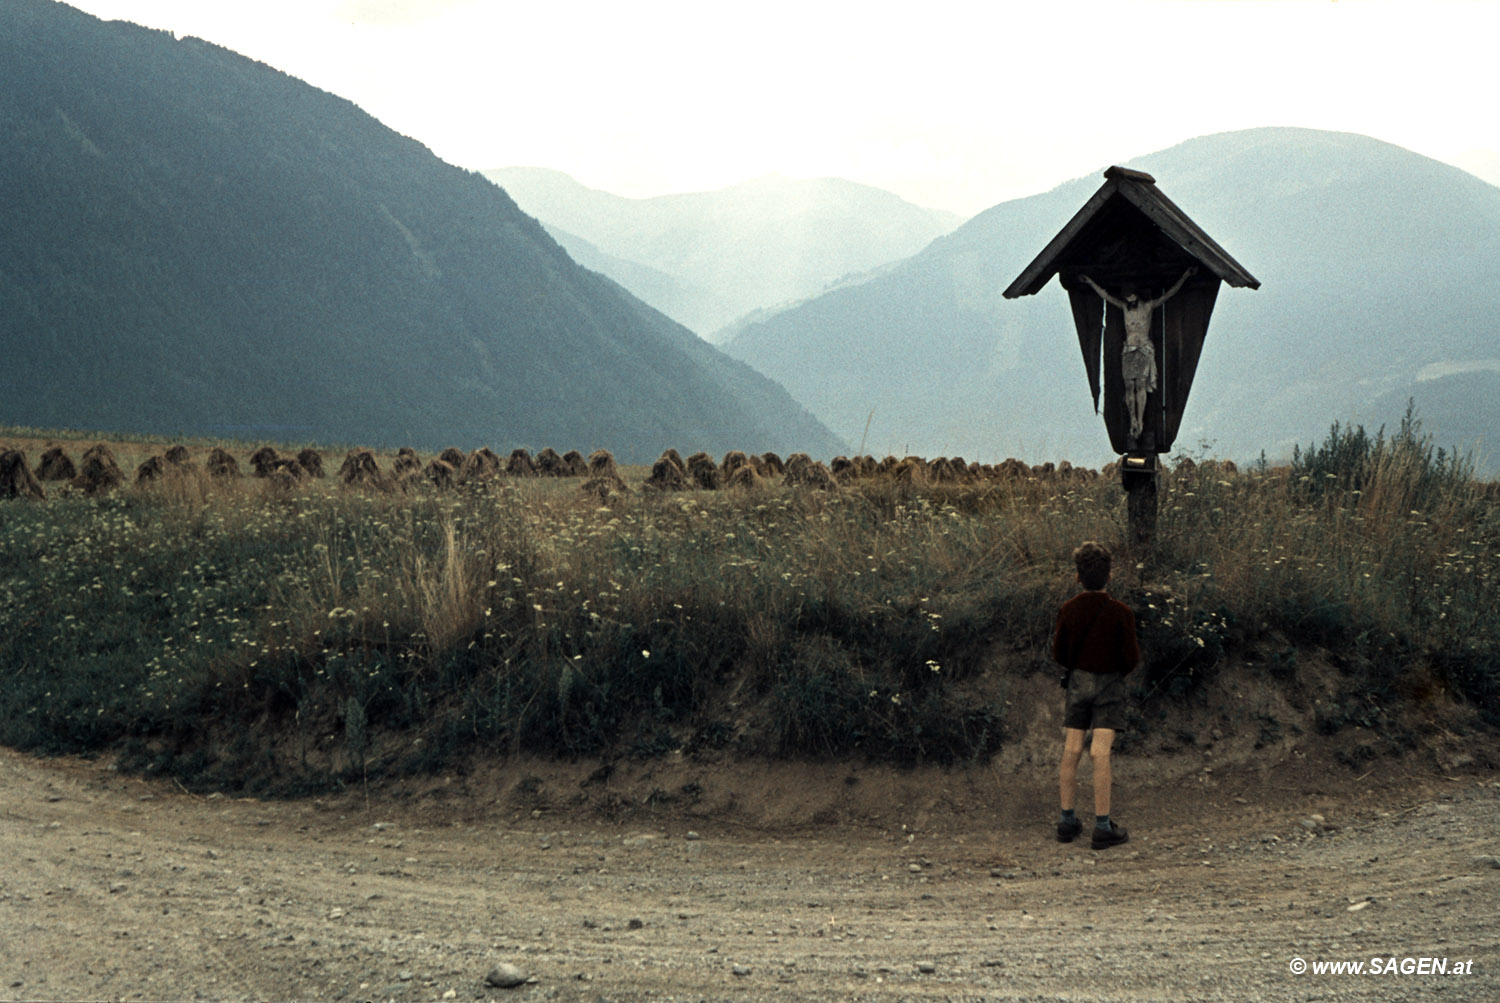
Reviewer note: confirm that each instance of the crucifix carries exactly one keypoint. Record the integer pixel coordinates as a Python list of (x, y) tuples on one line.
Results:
[(1128, 241)]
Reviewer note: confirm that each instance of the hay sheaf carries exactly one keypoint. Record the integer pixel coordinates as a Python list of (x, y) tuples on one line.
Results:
[(442, 474), (733, 460), (667, 475), (520, 464), (602, 464), (263, 461), (408, 465), (1013, 469), (810, 474), (946, 470), (99, 471), (549, 464), (772, 465), (221, 464), (359, 468), (744, 478), (311, 461), (16, 478), (703, 471), (454, 457), (576, 464), (178, 457), (481, 465), (604, 486), (285, 476), (55, 465), (151, 470)]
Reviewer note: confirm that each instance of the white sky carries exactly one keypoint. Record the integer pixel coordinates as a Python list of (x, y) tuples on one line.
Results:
[(953, 105)]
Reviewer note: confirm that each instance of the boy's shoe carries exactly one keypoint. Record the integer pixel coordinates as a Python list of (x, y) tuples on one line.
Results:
[(1113, 836), (1067, 831)]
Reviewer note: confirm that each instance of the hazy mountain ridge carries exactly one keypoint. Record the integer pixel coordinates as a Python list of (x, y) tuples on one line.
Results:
[(1377, 264), (768, 241), (196, 242)]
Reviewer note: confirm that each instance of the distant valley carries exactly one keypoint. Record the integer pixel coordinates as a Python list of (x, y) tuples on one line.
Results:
[(710, 258)]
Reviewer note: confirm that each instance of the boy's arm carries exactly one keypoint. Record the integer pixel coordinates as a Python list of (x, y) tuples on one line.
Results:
[(1057, 633), (1130, 649)]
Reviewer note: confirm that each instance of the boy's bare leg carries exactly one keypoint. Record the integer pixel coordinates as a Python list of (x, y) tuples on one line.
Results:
[(1068, 774), (1104, 740)]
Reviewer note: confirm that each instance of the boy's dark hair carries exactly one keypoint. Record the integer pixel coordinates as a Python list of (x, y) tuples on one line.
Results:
[(1092, 561)]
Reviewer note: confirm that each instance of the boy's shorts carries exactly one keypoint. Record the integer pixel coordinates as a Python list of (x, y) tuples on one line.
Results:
[(1095, 700)]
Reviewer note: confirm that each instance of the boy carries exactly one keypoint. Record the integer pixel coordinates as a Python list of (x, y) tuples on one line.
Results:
[(1095, 640)]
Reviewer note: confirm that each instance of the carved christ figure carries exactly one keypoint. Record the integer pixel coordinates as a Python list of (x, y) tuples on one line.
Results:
[(1138, 359)]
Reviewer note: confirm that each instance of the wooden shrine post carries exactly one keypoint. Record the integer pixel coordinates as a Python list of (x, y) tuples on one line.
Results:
[(1142, 279)]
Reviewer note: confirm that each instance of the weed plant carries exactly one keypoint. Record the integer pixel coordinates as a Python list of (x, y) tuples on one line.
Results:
[(243, 637)]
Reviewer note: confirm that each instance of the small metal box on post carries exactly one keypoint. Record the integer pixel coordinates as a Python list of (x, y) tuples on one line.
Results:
[(1142, 279)]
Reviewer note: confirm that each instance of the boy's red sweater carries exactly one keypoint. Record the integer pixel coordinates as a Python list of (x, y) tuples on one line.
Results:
[(1096, 633)]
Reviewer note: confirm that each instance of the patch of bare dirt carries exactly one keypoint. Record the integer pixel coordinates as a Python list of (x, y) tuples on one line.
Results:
[(684, 879)]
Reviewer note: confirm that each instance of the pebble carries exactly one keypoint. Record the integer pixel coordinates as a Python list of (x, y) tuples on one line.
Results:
[(926, 967), (505, 976), (741, 970)]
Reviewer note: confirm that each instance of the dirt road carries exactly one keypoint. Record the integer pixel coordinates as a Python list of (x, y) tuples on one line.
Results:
[(680, 882)]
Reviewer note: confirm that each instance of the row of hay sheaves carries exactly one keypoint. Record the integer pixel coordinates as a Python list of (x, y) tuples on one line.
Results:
[(98, 471)]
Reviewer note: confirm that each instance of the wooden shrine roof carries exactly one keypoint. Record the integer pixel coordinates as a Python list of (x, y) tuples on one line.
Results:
[(1137, 189)]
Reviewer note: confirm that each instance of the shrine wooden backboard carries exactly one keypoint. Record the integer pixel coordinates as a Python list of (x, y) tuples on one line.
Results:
[(1130, 238)]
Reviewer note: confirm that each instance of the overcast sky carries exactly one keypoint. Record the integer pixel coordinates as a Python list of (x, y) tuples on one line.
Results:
[(954, 105)]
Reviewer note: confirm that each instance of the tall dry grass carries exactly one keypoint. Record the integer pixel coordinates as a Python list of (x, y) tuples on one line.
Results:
[(240, 634)]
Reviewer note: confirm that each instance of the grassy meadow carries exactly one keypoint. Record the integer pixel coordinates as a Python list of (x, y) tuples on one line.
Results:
[(251, 633)]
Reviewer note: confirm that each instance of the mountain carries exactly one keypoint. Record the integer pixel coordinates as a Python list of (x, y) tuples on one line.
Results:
[(733, 251), (194, 242), (1379, 269)]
